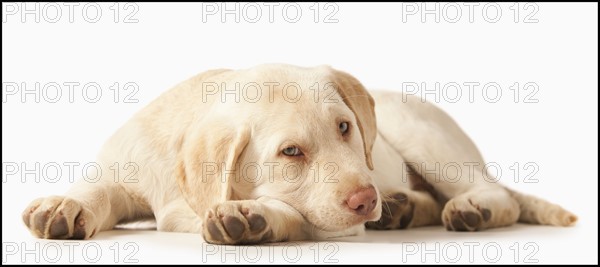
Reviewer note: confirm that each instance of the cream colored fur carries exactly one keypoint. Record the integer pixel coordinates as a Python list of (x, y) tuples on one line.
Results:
[(204, 154)]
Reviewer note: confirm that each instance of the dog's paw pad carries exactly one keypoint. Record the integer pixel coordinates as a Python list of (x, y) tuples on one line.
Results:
[(464, 216), (214, 231), (465, 221), (59, 218), (470, 218), (40, 219), (486, 214), (234, 227), (236, 222), (59, 226), (397, 213), (257, 222)]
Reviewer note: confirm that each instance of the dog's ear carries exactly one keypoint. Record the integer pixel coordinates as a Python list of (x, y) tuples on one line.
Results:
[(207, 163), (362, 105)]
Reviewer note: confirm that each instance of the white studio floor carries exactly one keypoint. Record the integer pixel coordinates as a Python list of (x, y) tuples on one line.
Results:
[(517, 244)]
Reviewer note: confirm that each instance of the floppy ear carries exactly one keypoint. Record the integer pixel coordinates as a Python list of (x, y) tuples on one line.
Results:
[(207, 163), (362, 105)]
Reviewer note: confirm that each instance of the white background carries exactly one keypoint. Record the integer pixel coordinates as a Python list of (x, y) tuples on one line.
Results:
[(383, 45)]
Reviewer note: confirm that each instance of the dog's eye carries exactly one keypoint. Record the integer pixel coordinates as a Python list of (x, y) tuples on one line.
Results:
[(343, 128), (292, 151)]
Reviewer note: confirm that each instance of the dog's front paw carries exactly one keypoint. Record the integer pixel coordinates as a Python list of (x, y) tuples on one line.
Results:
[(236, 222), (463, 214), (397, 213), (59, 218)]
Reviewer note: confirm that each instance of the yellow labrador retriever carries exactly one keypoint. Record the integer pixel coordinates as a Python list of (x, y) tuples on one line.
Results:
[(279, 152)]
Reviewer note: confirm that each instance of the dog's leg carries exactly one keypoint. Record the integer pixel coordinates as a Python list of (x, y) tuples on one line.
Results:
[(406, 208), (253, 221), (436, 148), (480, 208), (178, 216), (475, 202), (83, 211)]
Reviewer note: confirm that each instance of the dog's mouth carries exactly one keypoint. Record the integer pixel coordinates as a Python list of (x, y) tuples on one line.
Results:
[(371, 217), (332, 224)]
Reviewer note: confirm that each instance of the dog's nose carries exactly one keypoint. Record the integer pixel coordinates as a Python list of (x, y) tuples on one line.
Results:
[(362, 202)]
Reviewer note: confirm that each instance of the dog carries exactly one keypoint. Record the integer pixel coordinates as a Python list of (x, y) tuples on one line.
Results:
[(281, 153)]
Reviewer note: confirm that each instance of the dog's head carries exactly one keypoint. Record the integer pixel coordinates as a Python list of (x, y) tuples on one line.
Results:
[(300, 135)]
